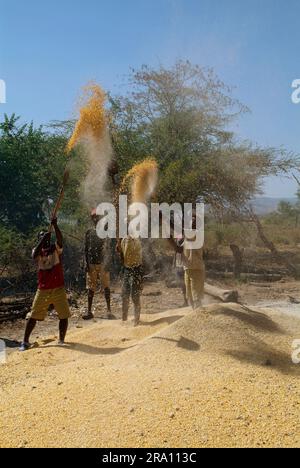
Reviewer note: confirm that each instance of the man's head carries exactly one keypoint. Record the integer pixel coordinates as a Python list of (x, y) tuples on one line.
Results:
[(194, 237), (196, 220), (46, 237), (94, 217)]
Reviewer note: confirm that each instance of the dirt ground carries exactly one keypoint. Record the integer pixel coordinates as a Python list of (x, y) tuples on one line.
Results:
[(254, 293), (156, 298)]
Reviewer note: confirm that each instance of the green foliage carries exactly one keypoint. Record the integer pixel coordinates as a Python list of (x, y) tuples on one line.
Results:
[(9, 240), (218, 235), (287, 215), (15, 251), (30, 169), (32, 162)]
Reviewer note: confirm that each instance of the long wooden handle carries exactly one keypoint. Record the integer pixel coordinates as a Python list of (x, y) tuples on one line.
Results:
[(58, 203), (60, 198)]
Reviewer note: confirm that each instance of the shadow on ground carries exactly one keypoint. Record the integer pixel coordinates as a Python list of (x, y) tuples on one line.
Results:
[(254, 348), (166, 320), (259, 353), (10, 343), (88, 349), (251, 317), (183, 343)]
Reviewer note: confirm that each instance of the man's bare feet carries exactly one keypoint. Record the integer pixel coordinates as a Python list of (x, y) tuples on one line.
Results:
[(24, 346), (88, 316)]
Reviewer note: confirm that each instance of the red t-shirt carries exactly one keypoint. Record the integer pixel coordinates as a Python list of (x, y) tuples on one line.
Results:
[(50, 269)]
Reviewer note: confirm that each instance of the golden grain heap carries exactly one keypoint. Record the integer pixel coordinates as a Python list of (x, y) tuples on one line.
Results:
[(201, 381), (143, 179), (92, 119)]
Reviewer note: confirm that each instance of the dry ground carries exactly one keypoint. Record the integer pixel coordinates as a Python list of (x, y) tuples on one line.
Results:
[(156, 298)]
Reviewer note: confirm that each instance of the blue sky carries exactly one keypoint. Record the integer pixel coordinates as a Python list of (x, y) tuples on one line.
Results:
[(48, 50)]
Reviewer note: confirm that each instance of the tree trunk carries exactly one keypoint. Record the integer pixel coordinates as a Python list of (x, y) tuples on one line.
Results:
[(238, 260), (221, 294)]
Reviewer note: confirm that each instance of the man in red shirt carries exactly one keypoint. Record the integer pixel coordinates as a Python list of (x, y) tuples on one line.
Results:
[(51, 288)]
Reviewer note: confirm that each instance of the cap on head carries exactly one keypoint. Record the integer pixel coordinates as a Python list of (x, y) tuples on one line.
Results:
[(41, 234)]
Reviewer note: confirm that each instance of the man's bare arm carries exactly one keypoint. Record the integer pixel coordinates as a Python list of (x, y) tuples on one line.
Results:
[(58, 234)]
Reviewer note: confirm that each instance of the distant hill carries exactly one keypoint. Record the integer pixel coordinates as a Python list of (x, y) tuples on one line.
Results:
[(266, 205)]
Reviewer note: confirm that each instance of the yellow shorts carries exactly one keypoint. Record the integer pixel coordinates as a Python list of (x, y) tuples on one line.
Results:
[(95, 273), (44, 298)]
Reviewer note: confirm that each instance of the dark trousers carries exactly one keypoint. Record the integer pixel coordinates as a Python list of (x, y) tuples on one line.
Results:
[(132, 287)]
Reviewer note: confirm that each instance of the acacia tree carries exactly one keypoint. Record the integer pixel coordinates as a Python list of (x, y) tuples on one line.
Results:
[(181, 116)]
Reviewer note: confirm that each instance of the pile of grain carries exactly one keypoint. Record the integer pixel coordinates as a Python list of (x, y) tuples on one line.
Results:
[(218, 377)]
